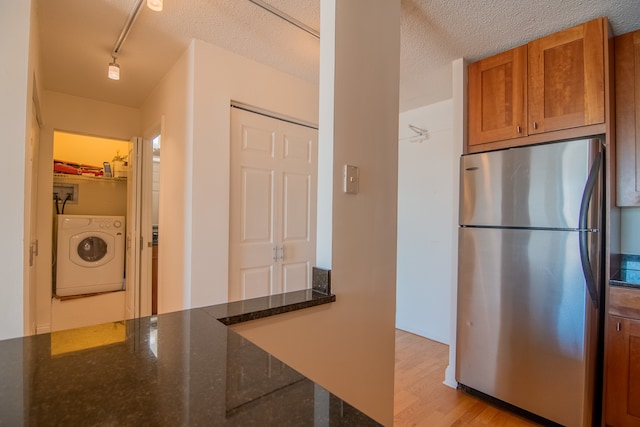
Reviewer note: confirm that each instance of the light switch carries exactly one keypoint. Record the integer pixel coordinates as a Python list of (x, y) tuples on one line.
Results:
[(351, 179)]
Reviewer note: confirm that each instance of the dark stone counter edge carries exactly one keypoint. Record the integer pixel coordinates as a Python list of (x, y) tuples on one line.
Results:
[(625, 267), (264, 307), (624, 284)]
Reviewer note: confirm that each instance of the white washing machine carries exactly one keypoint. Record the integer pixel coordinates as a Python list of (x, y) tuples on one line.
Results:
[(90, 254)]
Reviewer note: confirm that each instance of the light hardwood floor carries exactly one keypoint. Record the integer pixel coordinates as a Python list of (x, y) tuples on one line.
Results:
[(422, 400)]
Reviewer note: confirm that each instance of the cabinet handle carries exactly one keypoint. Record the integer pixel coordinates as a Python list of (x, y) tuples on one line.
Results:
[(275, 253), (282, 253), (518, 129), (535, 125), (618, 327)]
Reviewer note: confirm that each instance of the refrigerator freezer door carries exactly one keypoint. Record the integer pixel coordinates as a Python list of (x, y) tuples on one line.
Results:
[(537, 186), (525, 321)]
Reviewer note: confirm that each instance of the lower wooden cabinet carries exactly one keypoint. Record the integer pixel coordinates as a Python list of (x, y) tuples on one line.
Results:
[(622, 394)]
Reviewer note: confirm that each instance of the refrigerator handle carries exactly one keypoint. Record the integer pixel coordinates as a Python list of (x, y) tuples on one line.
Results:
[(587, 194)]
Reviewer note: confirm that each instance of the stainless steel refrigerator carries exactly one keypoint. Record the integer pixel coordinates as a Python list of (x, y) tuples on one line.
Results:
[(529, 279)]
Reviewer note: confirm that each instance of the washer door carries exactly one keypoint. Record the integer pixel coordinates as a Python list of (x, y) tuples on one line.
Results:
[(91, 249)]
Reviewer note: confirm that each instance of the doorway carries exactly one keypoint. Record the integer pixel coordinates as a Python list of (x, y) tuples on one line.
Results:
[(96, 182)]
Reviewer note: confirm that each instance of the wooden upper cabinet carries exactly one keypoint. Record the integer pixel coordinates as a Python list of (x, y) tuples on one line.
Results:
[(552, 88), (497, 103), (566, 78), (627, 71)]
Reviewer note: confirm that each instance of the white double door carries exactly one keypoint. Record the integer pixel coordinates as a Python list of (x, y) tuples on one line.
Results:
[(274, 168)]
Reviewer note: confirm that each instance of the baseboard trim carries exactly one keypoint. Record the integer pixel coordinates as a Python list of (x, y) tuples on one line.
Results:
[(450, 377), (43, 329)]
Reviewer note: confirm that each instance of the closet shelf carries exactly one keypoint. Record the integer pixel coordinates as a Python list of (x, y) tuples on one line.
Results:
[(69, 177)]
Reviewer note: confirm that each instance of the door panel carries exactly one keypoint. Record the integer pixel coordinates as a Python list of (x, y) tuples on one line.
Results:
[(295, 276), (256, 282), (257, 206), (539, 186), (627, 82), (497, 97), (145, 298), (523, 310), (259, 142), (297, 221), (252, 209), (568, 65), (622, 395), (296, 207), (133, 245), (272, 205), (558, 99), (298, 149)]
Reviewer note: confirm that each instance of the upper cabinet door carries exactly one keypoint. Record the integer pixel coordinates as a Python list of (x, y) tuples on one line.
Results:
[(497, 103), (566, 78), (627, 60)]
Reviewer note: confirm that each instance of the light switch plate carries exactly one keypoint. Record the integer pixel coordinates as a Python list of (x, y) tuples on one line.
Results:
[(351, 179)]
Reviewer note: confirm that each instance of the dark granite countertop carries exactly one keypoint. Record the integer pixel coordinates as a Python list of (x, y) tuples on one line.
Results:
[(181, 368), (257, 308), (628, 274)]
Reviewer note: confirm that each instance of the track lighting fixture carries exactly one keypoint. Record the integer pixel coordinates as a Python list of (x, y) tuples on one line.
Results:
[(114, 70)]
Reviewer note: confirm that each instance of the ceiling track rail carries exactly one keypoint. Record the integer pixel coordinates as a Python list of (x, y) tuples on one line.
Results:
[(267, 113), (290, 19), (133, 14)]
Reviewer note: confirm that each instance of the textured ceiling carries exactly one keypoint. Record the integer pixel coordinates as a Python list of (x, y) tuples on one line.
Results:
[(77, 37)]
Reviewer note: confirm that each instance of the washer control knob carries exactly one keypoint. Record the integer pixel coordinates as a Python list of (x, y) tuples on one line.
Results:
[(117, 224)]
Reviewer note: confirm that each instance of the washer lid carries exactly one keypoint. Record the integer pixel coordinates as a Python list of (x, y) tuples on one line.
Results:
[(91, 248)]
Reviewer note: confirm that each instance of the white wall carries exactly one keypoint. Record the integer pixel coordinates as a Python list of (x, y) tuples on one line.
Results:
[(324, 216), (73, 114), (96, 196), (15, 119), (431, 88), (193, 103), (349, 346), (459, 77), (88, 150), (169, 105), (427, 221)]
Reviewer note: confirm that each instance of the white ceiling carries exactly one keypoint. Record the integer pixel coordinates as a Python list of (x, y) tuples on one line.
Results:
[(77, 37)]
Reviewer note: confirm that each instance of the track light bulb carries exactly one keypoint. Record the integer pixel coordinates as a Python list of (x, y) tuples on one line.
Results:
[(114, 70), (155, 5)]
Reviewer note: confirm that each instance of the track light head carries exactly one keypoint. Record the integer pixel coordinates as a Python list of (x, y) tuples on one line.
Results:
[(114, 70), (155, 5)]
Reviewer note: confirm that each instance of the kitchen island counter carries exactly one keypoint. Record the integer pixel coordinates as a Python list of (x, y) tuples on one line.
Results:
[(181, 368)]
